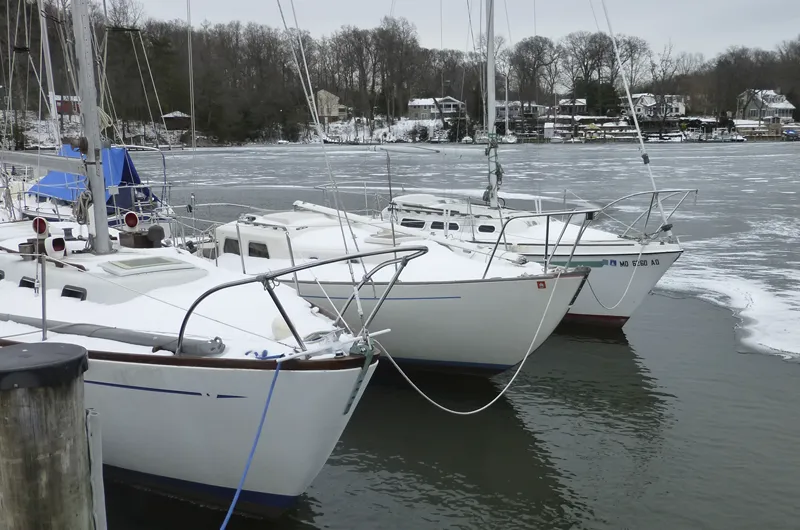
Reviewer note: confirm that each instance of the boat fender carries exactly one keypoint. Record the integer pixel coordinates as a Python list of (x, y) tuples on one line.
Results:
[(280, 330)]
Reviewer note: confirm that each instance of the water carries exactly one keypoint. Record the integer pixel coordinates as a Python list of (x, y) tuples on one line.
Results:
[(687, 418)]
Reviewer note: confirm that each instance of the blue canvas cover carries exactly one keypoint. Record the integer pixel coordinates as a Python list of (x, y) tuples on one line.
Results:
[(118, 170)]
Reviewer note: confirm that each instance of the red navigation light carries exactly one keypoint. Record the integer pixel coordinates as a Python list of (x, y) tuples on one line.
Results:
[(131, 220), (40, 226), (59, 245)]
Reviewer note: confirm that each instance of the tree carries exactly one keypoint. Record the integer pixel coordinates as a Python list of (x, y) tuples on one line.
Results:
[(635, 54), (663, 70)]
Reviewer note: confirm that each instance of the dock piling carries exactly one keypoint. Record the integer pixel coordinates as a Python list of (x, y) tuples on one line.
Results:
[(44, 450)]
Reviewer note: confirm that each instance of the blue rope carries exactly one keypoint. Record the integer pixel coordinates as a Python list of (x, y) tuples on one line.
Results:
[(252, 450)]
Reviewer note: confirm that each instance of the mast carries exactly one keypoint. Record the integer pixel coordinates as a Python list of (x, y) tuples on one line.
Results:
[(491, 111), (506, 111), (91, 123), (48, 67), (494, 168)]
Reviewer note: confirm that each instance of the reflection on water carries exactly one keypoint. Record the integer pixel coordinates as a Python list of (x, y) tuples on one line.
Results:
[(596, 371), (484, 470)]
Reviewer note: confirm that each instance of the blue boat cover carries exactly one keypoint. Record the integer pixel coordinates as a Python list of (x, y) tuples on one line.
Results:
[(118, 170)]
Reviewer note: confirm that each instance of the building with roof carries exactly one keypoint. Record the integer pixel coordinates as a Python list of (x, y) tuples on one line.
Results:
[(769, 105), (327, 106), (649, 105), (426, 109), (517, 109), (177, 120), (572, 106)]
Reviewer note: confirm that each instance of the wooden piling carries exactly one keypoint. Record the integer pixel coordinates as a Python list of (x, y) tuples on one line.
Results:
[(44, 460)]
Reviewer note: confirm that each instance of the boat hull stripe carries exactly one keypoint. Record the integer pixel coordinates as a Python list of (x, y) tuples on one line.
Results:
[(159, 390)]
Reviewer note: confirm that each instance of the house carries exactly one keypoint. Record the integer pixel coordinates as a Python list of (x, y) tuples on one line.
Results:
[(328, 106), (768, 105), (177, 120), (426, 109), (517, 109), (514, 109), (572, 106), (344, 112), (68, 105), (649, 105)]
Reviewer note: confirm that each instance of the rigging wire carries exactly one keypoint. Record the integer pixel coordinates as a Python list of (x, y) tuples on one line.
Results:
[(505, 388), (308, 92), (155, 91), (192, 120), (144, 88), (642, 149)]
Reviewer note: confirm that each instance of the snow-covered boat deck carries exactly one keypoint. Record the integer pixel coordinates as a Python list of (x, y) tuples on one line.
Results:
[(147, 291)]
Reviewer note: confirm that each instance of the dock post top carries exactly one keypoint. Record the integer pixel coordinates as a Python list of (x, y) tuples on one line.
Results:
[(41, 364)]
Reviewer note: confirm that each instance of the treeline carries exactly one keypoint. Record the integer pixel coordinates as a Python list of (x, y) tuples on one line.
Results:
[(247, 87)]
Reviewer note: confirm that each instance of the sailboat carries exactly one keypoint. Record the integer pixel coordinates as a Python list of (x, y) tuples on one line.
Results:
[(625, 266), (460, 308), (57, 196), (179, 384)]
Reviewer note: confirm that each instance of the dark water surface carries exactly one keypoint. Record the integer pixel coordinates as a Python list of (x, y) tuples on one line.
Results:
[(686, 418)]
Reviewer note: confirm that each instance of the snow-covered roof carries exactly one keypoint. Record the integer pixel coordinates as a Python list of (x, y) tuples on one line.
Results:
[(502, 103), (769, 98), (176, 114), (579, 101), (75, 99), (423, 102)]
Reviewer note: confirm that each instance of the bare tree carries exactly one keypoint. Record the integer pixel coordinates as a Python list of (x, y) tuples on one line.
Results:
[(635, 54), (125, 13), (663, 70)]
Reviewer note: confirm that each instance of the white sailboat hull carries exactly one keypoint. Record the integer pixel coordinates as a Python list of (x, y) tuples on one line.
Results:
[(618, 283), (445, 324), (190, 429)]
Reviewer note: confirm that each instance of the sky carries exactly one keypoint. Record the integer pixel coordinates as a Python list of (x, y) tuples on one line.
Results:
[(695, 26)]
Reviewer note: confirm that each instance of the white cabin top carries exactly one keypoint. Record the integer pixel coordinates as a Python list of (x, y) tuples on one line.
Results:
[(145, 290), (316, 236)]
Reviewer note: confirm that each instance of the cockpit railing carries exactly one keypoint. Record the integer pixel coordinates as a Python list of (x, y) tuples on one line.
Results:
[(268, 281)]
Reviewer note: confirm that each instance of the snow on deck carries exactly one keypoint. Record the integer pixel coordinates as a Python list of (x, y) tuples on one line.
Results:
[(318, 236), (149, 301)]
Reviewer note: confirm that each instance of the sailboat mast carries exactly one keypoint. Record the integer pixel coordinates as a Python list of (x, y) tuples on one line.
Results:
[(48, 66), (91, 123), (506, 111), (491, 101), (491, 111)]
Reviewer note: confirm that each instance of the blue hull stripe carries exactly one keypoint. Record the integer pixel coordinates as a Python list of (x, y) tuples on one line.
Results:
[(159, 390), (271, 500), (388, 298)]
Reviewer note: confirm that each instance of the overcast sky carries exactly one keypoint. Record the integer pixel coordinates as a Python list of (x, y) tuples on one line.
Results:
[(705, 26)]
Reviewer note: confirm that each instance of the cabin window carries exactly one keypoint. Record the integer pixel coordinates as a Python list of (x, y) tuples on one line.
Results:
[(486, 229), (71, 291), (27, 282), (231, 246), (439, 225), (2, 275), (257, 250), (412, 223)]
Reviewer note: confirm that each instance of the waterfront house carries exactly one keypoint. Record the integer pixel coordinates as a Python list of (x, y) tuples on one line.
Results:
[(649, 105), (426, 109), (769, 105), (177, 120), (328, 106), (572, 106), (517, 110)]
